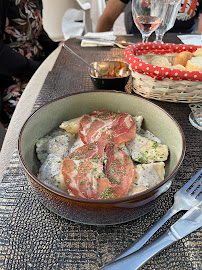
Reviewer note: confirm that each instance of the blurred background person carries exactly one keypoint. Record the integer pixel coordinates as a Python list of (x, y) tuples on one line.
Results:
[(23, 47), (188, 17)]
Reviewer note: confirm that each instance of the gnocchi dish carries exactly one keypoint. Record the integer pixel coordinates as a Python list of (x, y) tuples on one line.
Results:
[(101, 155)]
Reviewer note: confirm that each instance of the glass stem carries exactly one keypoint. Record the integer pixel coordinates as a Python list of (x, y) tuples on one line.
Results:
[(145, 38), (159, 37)]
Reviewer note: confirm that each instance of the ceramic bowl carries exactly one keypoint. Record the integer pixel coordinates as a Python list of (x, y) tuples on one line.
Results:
[(115, 75), (109, 211)]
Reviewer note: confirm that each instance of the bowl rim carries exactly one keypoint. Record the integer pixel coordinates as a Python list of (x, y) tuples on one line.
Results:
[(125, 199), (112, 78)]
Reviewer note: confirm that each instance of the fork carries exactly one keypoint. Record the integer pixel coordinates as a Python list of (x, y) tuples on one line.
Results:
[(121, 45), (184, 199)]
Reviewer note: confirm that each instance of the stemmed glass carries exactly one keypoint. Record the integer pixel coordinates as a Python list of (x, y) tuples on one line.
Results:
[(147, 15), (168, 21), (195, 117)]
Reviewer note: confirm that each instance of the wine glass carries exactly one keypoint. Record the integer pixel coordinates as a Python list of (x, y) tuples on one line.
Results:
[(147, 15), (195, 117), (168, 21)]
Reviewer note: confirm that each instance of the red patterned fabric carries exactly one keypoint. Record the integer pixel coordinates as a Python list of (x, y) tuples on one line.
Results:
[(157, 72)]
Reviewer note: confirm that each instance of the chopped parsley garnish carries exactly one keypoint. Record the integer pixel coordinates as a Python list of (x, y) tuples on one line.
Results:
[(155, 144), (93, 171), (107, 194)]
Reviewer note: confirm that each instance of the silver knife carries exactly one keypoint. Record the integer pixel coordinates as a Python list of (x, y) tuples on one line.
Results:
[(189, 222), (104, 40)]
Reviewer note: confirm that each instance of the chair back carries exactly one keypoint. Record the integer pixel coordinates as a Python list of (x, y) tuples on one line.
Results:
[(53, 13)]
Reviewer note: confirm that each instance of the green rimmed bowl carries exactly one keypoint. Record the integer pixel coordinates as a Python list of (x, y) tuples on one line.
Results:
[(99, 212)]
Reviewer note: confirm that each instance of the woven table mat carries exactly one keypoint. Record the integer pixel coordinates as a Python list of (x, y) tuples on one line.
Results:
[(32, 237)]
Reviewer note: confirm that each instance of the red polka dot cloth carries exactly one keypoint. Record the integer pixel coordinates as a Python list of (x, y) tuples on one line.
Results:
[(160, 73)]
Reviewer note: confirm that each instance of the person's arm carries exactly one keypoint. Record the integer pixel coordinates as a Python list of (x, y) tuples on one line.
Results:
[(14, 64), (110, 14), (48, 44), (200, 24)]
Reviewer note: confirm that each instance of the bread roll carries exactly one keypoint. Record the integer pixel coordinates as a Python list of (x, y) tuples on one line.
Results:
[(195, 64), (182, 58), (161, 61), (198, 52), (180, 67)]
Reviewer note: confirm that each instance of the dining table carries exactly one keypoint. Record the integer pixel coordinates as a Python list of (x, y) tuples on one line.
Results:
[(32, 237)]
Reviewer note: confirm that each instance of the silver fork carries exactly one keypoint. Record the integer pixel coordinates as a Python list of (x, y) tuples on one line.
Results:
[(184, 199)]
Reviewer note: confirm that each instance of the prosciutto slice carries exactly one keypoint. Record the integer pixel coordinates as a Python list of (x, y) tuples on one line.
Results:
[(83, 172), (85, 175), (119, 170), (107, 126)]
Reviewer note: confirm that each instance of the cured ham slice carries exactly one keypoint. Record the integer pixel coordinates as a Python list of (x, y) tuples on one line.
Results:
[(83, 172), (107, 126), (85, 176), (120, 170)]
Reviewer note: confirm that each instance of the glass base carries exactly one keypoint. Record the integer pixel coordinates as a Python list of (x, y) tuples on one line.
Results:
[(158, 41), (196, 120)]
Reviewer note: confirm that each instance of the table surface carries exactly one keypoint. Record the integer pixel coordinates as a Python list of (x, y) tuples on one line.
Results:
[(34, 238)]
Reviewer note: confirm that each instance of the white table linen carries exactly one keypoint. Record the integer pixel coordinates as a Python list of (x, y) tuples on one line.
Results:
[(191, 39), (106, 35)]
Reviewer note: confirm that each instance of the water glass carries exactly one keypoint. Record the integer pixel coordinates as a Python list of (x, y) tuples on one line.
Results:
[(168, 21)]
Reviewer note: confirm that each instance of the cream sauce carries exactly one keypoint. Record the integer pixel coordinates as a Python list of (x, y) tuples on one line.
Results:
[(147, 176), (143, 150)]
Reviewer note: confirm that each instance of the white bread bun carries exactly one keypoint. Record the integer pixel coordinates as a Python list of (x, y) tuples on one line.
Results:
[(180, 67), (198, 52), (161, 61), (182, 58), (195, 64)]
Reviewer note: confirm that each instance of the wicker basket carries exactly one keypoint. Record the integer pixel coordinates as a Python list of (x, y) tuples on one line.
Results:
[(164, 84)]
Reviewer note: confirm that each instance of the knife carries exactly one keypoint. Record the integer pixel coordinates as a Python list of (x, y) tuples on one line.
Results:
[(189, 222), (104, 40)]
